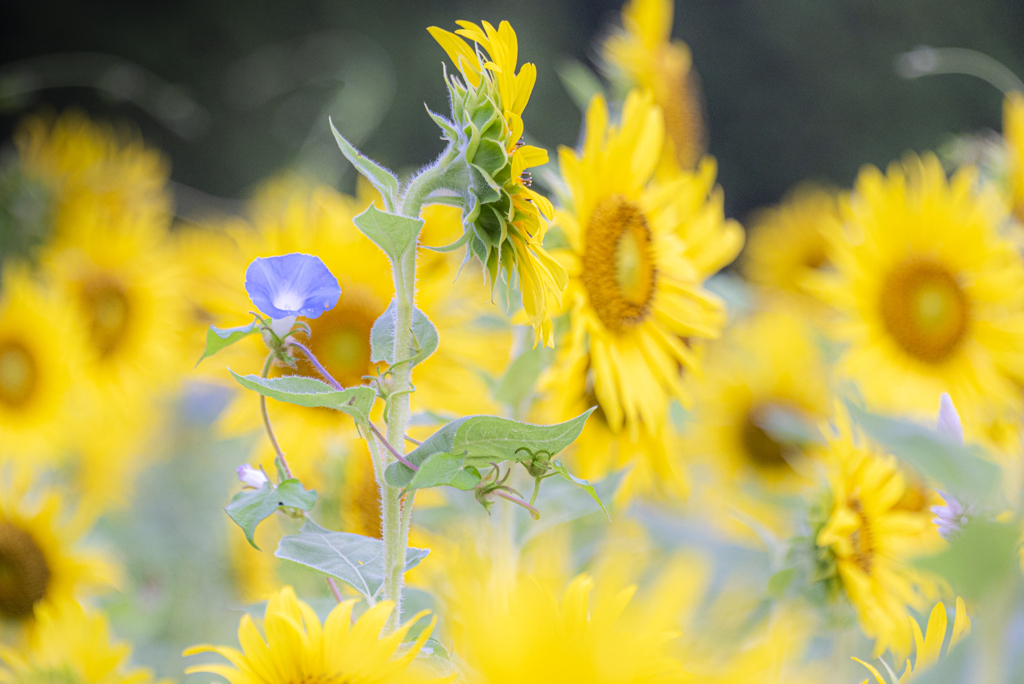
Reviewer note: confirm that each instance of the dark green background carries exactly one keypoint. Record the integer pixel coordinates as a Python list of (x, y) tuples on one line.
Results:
[(795, 89)]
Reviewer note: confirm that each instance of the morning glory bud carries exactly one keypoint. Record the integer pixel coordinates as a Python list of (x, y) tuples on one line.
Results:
[(284, 287), (251, 477), (950, 517), (949, 424)]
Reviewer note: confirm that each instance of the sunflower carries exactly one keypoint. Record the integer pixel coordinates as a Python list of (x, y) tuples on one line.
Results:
[(787, 242), (298, 649), (509, 624), (319, 221), (1013, 134), (126, 291), (508, 218), (70, 645), (38, 350), (646, 57), (929, 294), (929, 645), (94, 169), (872, 536), (638, 253), (39, 561), (765, 368)]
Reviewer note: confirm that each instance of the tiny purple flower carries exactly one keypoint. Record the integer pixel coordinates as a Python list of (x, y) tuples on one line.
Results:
[(949, 420), (950, 517), (251, 477), (284, 287)]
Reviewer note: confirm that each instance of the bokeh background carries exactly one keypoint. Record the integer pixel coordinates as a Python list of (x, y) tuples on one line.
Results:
[(235, 90)]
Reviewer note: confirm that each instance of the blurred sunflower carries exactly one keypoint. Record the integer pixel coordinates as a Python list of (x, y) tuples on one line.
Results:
[(638, 253), (126, 291), (787, 242), (872, 538), (298, 649), (766, 369), (39, 561), (1013, 134), (319, 221), (928, 292), (94, 170), (644, 54), (929, 645), (39, 351), (70, 645), (507, 217), (509, 625)]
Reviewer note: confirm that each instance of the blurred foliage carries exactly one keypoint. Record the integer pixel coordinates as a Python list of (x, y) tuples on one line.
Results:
[(234, 91)]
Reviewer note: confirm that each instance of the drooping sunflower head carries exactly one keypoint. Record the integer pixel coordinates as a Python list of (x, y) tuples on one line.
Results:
[(1013, 134), (40, 562), (506, 217), (787, 242), (928, 290), (70, 646), (38, 348), (644, 55), (638, 253), (872, 539), (299, 650)]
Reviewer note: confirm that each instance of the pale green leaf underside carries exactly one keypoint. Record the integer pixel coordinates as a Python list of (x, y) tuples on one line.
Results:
[(219, 338), (383, 180), (356, 560), (392, 233), (311, 393), (250, 507)]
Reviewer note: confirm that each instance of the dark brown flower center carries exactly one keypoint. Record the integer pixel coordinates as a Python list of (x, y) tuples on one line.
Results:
[(763, 450), (108, 311), (618, 268), (925, 310), (19, 375), (24, 573)]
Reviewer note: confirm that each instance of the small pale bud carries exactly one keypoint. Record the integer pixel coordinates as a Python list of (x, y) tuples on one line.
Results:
[(949, 420), (251, 477)]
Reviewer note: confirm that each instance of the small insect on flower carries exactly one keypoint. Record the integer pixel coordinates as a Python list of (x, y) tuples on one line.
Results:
[(292, 285)]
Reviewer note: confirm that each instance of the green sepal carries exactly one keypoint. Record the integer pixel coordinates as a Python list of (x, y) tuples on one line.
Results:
[(356, 560), (583, 484), (219, 338), (250, 507), (480, 440), (395, 234), (382, 337), (312, 393), (383, 180)]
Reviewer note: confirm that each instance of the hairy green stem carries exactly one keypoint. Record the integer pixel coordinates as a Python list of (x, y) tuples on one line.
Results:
[(394, 516)]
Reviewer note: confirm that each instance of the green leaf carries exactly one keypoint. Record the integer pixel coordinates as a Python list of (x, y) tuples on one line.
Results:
[(312, 393), (382, 337), (959, 471), (520, 378), (980, 559), (218, 338), (445, 469), (583, 484), (478, 440), (779, 582), (580, 82), (356, 560), (250, 507), (382, 179), (392, 233)]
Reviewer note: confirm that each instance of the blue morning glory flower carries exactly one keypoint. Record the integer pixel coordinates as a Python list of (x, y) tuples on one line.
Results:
[(284, 287)]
